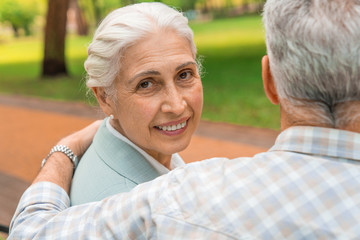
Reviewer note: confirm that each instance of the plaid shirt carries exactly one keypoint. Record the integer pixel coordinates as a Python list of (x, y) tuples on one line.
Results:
[(305, 187)]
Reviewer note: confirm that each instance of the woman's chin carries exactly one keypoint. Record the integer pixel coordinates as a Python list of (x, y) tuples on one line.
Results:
[(174, 149)]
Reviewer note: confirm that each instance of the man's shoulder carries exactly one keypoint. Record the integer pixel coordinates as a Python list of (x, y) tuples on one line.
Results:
[(227, 196)]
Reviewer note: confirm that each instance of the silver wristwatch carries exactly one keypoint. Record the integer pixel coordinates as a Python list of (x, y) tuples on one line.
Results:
[(64, 149)]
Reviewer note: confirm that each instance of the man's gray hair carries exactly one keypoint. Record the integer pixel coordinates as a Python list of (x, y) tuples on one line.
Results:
[(121, 29), (314, 53)]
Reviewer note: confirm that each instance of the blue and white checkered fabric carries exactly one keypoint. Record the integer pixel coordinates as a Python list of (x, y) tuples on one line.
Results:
[(305, 187)]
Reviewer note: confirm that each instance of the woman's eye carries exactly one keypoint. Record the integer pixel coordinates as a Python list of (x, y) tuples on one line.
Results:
[(185, 75), (146, 84)]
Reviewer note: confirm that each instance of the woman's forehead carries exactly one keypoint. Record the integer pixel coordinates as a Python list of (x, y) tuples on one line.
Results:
[(164, 49)]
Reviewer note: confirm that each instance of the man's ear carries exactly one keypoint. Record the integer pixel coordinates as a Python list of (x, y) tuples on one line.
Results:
[(268, 81), (104, 100)]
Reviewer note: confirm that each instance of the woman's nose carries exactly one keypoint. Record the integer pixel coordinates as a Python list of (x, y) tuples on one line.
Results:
[(174, 103)]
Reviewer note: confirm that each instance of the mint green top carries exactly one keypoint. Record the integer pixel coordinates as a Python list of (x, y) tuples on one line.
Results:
[(108, 167)]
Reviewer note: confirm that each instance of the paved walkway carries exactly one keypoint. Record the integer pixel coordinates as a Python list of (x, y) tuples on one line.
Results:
[(29, 127)]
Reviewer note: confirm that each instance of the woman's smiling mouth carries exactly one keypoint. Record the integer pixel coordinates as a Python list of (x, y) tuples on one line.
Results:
[(172, 127)]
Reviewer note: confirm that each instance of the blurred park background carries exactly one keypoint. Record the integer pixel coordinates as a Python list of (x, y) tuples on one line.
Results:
[(43, 47), (42, 50)]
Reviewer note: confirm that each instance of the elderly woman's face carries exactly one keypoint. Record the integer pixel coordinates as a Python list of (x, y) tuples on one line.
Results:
[(159, 94)]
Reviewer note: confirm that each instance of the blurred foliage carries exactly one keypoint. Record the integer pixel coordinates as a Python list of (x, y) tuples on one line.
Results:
[(20, 14), (24, 16), (96, 10), (231, 50)]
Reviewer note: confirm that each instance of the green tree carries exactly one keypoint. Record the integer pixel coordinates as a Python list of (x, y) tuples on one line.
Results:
[(95, 10), (184, 5), (19, 14)]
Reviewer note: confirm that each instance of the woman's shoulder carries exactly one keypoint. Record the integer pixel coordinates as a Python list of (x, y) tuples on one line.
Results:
[(109, 166), (94, 180), (97, 188)]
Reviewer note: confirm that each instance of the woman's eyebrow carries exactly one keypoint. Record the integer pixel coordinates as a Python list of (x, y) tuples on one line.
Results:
[(185, 64), (142, 74), (154, 72)]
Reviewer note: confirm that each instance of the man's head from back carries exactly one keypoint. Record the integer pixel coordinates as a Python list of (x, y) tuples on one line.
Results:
[(314, 54)]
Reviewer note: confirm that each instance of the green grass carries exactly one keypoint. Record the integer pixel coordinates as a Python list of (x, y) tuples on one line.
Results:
[(231, 49), (233, 92), (20, 70)]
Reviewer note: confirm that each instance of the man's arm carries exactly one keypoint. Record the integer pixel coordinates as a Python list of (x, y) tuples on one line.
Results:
[(58, 168), (44, 210)]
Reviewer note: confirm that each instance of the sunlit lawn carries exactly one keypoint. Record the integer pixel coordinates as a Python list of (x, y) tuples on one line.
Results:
[(20, 68), (231, 51)]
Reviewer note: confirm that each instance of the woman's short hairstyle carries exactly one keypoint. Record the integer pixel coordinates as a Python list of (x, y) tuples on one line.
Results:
[(314, 53), (121, 29)]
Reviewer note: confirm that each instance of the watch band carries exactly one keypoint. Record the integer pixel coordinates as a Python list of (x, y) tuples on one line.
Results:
[(64, 149)]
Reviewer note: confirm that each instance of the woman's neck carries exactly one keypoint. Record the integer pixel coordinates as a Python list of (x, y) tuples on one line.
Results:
[(161, 158)]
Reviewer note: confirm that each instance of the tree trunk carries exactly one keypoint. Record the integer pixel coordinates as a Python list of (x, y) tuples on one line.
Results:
[(16, 30), (55, 33), (245, 6), (81, 25)]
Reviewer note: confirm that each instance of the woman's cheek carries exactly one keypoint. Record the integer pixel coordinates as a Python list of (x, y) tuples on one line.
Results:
[(198, 96), (148, 108)]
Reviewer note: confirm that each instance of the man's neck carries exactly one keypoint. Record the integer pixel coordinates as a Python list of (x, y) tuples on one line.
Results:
[(346, 117)]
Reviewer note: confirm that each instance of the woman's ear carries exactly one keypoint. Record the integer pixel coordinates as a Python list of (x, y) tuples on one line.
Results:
[(104, 100), (268, 81)]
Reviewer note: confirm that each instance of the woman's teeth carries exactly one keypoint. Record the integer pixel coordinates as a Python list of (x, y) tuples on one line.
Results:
[(172, 127)]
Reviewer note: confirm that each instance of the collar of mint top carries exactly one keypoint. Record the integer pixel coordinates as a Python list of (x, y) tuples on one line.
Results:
[(122, 157), (176, 160)]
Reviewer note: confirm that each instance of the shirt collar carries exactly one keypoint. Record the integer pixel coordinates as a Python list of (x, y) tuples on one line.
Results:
[(176, 160), (326, 142)]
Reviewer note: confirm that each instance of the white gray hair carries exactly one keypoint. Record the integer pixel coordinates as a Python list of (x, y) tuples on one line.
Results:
[(314, 54), (122, 28)]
